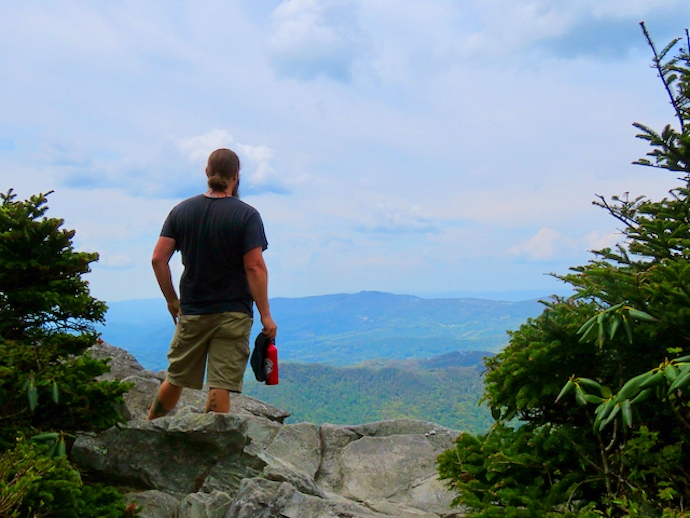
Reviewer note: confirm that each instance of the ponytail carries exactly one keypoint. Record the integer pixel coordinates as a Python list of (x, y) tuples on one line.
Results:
[(217, 183)]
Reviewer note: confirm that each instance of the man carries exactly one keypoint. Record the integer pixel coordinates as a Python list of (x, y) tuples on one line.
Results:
[(221, 240)]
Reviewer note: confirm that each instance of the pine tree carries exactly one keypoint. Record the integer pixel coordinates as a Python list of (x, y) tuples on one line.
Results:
[(592, 398), (48, 385)]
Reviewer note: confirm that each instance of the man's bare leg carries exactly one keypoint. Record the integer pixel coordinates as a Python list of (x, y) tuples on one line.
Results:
[(218, 400), (166, 399)]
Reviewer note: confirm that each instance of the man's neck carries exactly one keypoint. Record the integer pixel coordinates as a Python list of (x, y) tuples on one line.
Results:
[(218, 194)]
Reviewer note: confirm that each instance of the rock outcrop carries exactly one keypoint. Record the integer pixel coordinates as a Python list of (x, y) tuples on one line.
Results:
[(249, 464)]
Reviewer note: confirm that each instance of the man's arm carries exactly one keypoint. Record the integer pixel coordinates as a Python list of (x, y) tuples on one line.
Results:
[(165, 247), (257, 277)]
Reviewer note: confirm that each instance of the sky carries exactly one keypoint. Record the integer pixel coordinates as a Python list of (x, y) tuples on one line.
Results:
[(427, 147)]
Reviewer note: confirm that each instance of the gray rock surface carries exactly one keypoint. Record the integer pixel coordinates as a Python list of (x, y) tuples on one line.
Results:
[(441, 436), (333, 439), (298, 445), (154, 503), (227, 474), (192, 464), (138, 399), (171, 454), (390, 469), (124, 366), (260, 430), (256, 498), (281, 471), (261, 498), (204, 505)]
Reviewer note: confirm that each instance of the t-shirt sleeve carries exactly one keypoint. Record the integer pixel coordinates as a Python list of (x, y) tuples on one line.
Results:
[(169, 227), (254, 234)]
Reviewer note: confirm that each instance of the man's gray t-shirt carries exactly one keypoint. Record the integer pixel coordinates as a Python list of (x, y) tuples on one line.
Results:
[(213, 234)]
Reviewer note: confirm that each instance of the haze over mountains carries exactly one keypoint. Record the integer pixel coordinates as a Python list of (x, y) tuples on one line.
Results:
[(343, 329)]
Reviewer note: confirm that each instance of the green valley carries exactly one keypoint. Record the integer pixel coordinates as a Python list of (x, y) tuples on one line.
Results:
[(440, 390)]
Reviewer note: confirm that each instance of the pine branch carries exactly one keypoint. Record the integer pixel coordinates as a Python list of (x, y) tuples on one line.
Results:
[(616, 214), (657, 64), (647, 163)]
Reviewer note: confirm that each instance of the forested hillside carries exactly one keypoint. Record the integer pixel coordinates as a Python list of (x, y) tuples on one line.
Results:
[(435, 390)]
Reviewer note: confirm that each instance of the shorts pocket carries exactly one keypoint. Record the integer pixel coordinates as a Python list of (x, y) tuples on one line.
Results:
[(187, 326), (250, 322)]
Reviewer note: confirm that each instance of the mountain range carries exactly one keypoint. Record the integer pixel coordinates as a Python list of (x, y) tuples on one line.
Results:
[(342, 329), (355, 358)]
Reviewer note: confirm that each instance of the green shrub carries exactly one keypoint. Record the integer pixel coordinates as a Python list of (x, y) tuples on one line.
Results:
[(33, 484), (47, 381)]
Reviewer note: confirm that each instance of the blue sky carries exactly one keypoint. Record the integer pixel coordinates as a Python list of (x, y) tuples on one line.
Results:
[(423, 147)]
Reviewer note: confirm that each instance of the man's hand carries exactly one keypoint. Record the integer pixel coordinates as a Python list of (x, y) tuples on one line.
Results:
[(270, 327), (174, 308)]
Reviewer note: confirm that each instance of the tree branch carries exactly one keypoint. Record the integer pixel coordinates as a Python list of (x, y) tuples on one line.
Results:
[(657, 64), (628, 221)]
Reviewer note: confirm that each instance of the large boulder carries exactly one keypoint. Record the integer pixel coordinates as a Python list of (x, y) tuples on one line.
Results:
[(249, 464), (391, 465), (139, 398), (391, 470), (170, 454)]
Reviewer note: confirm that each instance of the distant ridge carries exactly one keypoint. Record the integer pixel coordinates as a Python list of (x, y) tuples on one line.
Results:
[(508, 296), (441, 361), (342, 329)]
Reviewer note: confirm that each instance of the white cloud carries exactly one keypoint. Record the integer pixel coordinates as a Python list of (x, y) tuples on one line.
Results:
[(169, 168), (257, 154), (262, 176), (395, 217), (630, 8), (434, 35), (200, 147), (545, 245), (508, 27), (316, 37), (115, 262), (597, 240)]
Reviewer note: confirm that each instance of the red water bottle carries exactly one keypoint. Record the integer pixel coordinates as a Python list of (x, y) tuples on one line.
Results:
[(271, 364)]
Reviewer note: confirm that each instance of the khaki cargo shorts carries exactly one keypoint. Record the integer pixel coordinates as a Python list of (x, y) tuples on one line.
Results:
[(220, 338)]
